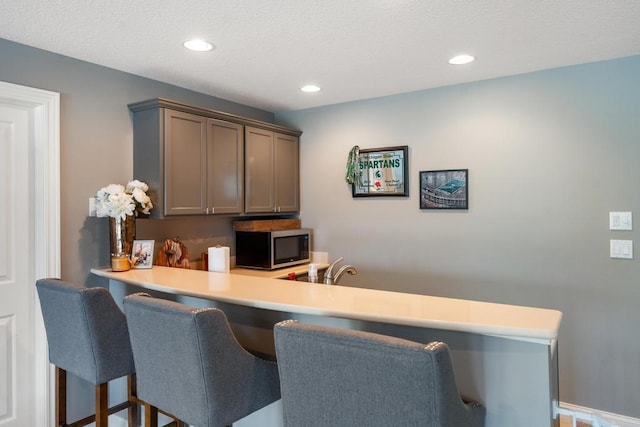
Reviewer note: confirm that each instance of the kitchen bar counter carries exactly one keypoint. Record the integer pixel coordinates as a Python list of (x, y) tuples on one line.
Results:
[(504, 356), (347, 302)]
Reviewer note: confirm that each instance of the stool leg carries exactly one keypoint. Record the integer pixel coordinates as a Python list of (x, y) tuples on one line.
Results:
[(150, 416), (133, 412), (61, 397), (102, 405)]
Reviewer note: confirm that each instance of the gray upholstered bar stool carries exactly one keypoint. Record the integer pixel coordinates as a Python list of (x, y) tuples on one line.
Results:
[(338, 377), (189, 364), (87, 335)]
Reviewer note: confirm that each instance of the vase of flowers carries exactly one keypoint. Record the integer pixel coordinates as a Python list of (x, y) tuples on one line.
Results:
[(122, 204)]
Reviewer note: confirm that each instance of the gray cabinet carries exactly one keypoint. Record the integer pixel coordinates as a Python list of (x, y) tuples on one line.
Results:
[(225, 167), (272, 181), (287, 172), (185, 163), (194, 161), (193, 164)]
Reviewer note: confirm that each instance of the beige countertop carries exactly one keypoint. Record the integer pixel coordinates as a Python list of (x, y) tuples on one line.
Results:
[(253, 290), (281, 273)]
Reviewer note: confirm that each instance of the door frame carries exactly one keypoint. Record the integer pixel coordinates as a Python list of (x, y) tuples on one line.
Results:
[(44, 128)]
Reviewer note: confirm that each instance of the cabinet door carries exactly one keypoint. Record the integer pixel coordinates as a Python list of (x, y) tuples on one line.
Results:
[(225, 159), (185, 163), (259, 191), (287, 173)]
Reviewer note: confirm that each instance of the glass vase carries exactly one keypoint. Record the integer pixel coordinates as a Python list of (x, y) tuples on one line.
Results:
[(122, 233)]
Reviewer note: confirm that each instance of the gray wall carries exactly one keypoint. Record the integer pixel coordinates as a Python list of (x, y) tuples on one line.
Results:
[(549, 155), (96, 148)]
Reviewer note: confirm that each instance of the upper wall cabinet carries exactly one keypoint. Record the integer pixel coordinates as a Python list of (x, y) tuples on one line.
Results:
[(272, 178), (193, 159), (185, 164)]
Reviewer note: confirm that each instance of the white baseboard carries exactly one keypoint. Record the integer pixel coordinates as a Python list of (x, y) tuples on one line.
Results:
[(594, 414)]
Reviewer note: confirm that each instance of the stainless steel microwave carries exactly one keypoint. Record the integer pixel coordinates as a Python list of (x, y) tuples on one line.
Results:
[(269, 250)]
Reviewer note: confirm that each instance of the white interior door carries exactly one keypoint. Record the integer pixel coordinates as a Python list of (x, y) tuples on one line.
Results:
[(16, 322), (29, 247)]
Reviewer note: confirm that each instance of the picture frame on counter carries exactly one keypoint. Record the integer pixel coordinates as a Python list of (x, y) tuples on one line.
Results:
[(382, 172), (444, 189), (142, 254)]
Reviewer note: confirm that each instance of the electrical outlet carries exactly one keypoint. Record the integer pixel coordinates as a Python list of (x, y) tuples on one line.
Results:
[(621, 249), (92, 206)]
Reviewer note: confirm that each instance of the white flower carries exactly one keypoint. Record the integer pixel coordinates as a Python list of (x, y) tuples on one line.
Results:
[(118, 201), (132, 185), (142, 201)]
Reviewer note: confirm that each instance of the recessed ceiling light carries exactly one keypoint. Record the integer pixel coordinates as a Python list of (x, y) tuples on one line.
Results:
[(310, 88), (198, 45), (461, 59)]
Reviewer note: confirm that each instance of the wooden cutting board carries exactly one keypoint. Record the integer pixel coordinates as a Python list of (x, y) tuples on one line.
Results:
[(267, 225)]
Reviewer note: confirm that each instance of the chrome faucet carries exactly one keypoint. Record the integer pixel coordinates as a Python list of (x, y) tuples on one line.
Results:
[(328, 275), (349, 269), (330, 279)]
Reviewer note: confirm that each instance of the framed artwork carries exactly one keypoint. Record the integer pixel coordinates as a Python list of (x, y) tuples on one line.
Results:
[(382, 172), (142, 254), (444, 189)]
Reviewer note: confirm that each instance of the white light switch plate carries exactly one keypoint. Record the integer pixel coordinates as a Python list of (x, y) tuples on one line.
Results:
[(621, 249), (620, 221)]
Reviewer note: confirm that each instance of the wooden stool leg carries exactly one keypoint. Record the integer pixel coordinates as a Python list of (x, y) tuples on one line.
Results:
[(102, 405), (150, 416), (133, 412), (61, 397)]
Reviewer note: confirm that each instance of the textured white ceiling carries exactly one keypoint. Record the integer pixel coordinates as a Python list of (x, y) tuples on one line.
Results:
[(354, 49)]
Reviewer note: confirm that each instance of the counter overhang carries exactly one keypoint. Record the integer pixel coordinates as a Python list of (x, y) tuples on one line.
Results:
[(508, 321)]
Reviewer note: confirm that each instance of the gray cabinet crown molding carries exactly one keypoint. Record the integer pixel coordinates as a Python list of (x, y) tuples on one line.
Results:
[(206, 112)]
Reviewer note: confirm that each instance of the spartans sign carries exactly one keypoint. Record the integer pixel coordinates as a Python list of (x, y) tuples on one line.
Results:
[(381, 172)]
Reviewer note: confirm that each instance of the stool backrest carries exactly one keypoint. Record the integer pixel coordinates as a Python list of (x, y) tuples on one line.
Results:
[(332, 377), (189, 363), (86, 331)]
